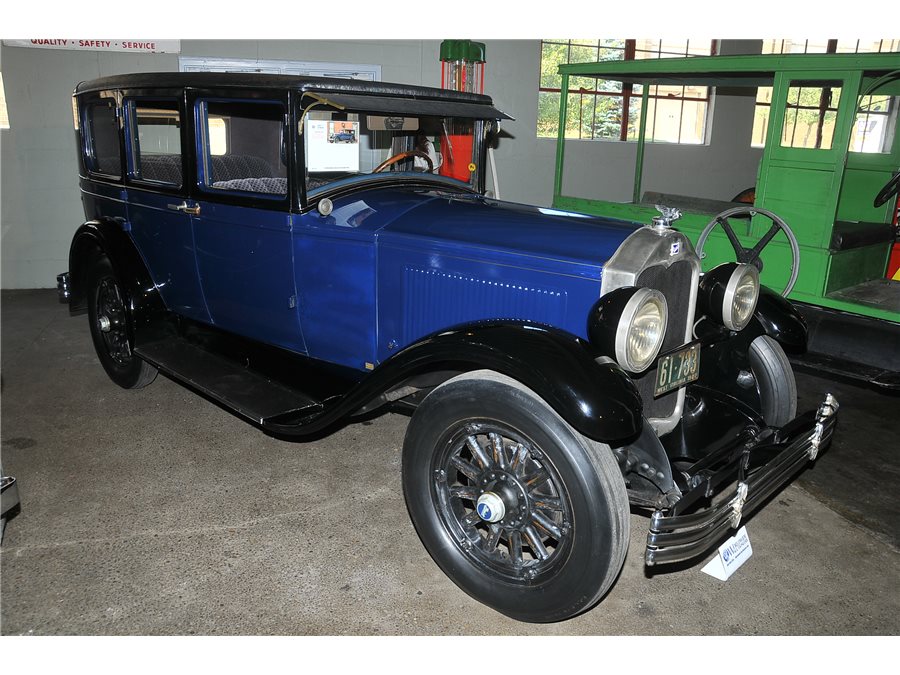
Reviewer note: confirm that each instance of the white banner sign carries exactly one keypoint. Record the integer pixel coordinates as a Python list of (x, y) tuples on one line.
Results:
[(138, 46)]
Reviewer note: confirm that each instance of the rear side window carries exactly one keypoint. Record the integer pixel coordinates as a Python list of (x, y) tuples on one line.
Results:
[(156, 141), (244, 147), (103, 138)]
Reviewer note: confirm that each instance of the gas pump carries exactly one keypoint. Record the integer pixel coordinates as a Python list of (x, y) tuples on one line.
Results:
[(462, 69)]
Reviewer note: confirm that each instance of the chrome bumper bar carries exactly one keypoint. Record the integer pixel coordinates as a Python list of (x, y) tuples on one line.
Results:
[(682, 537), (62, 287)]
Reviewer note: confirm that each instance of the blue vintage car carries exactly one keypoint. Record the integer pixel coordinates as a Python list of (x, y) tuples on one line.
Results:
[(559, 369)]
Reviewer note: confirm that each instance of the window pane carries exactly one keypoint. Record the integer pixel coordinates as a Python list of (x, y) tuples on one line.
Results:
[(552, 55), (156, 141), (580, 54), (255, 154), (608, 120), (872, 131), (666, 121), (548, 114), (103, 130), (810, 116), (693, 122)]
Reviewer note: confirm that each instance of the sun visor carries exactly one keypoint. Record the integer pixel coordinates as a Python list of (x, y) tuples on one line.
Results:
[(407, 106)]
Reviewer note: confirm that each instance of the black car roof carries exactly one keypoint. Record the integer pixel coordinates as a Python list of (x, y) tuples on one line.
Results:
[(391, 96), (264, 80)]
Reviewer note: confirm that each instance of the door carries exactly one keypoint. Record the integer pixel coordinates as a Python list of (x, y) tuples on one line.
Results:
[(241, 219)]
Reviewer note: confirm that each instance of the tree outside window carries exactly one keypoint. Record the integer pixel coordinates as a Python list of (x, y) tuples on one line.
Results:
[(811, 111), (601, 109)]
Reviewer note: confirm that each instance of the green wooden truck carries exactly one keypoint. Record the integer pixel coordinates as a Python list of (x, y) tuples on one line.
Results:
[(820, 219)]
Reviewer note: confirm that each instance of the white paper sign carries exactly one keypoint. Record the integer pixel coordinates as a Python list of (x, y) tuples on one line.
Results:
[(101, 45), (731, 555)]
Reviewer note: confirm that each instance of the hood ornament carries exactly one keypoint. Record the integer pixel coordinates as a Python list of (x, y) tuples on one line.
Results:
[(667, 216)]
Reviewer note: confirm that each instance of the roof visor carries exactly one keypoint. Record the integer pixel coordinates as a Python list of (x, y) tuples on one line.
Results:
[(407, 106)]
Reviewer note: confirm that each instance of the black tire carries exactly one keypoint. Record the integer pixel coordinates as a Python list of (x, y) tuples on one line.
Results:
[(561, 492), (774, 381), (108, 316)]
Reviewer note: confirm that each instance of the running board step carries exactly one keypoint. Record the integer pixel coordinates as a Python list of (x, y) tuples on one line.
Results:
[(828, 366), (240, 389)]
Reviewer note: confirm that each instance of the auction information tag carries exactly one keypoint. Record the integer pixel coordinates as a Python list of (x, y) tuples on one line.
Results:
[(731, 555)]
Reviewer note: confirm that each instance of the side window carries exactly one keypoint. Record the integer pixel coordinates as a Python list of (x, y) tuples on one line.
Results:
[(155, 137), (103, 138), (810, 115), (244, 147)]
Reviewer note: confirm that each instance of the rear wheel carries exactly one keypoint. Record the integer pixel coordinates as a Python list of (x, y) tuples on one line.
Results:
[(108, 315), (519, 509), (774, 381)]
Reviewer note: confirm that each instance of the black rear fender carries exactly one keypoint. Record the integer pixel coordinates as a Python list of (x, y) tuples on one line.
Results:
[(105, 237)]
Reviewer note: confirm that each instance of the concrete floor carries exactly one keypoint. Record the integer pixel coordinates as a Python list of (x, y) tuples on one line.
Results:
[(157, 512)]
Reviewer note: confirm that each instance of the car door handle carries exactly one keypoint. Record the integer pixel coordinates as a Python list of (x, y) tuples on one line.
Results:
[(183, 206)]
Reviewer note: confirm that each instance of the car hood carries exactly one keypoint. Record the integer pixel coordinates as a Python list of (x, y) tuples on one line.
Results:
[(475, 222)]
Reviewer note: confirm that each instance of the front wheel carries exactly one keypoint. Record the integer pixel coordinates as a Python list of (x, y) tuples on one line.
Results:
[(108, 317), (520, 510)]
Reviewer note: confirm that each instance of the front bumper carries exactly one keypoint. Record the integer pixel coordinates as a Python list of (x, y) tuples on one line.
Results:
[(677, 537)]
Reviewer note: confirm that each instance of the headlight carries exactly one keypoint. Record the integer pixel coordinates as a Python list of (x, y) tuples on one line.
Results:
[(629, 324), (728, 294)]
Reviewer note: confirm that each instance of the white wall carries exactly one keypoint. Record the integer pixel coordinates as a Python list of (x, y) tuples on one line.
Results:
[(39, 180)]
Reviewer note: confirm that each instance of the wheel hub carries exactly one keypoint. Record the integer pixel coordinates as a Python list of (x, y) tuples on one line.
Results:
[(490, 507)]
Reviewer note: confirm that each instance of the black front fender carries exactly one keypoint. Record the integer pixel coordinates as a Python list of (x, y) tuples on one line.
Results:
[(597, 398), (776, 317)]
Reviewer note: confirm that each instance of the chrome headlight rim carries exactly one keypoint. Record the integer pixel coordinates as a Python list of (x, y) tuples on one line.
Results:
[(638, 301), (730, 317)]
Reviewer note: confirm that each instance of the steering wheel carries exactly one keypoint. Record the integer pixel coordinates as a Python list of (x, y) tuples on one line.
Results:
[(751, 255), (889, 190), (400, 156)]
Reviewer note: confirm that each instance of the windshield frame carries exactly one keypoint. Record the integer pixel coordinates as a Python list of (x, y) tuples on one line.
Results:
[(307, 199)]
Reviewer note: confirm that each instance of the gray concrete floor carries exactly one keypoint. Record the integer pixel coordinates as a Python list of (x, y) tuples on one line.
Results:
[(157, 512)]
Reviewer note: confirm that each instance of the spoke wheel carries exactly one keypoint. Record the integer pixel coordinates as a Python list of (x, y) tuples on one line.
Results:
[(521, 511), (503, 500), (110, 321), (751, 256), (108, 315)]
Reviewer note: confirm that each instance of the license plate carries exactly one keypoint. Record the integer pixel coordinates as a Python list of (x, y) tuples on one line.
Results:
[(677, 369)]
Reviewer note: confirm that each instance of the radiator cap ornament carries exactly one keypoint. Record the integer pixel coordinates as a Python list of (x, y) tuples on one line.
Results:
[(667, 216)]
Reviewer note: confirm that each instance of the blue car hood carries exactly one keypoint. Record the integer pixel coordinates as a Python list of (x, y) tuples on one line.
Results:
[(514, 228)]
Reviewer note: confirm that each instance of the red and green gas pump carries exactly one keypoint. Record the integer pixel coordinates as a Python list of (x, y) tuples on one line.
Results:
[(462, 69)]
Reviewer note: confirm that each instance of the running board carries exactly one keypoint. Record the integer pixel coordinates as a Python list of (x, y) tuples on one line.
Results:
[(240, 389), (825, 365)]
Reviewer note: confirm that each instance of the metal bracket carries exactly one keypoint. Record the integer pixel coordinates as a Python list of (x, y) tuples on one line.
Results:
[(737, 504), (828, 408)]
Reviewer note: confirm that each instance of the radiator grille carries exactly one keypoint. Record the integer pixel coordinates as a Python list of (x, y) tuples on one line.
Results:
[(676, 284)]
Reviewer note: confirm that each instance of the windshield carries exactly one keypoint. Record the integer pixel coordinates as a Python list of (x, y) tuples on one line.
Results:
[(339, 146)]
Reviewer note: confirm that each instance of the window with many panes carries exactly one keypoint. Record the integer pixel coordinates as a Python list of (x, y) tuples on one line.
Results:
[(599, 109), (811, 110)]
